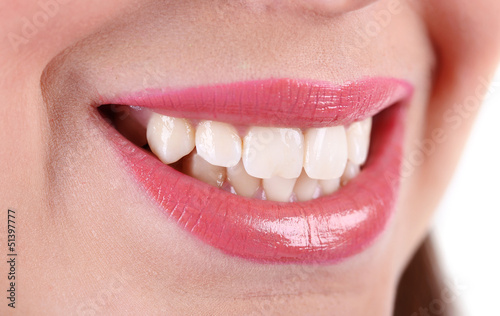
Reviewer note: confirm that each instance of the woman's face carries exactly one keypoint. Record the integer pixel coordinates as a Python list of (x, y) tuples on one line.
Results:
[(102, 229)]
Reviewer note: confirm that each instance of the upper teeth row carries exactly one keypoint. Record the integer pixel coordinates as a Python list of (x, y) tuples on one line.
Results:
[(265, 152)]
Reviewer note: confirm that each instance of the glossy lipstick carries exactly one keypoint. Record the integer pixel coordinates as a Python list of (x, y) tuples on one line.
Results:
[(324, 230)]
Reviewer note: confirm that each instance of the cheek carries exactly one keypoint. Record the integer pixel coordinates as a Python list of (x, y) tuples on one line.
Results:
[(464, 29), (49, 26), (467, 51)]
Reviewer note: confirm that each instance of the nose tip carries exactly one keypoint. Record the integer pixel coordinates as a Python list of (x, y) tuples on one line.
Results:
[(322, 7), (331, 7)]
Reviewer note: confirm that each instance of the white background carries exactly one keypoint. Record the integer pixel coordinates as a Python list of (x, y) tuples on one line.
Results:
[(467, 225)]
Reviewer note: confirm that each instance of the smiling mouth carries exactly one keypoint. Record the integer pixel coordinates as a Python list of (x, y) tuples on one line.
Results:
[(280, 170)]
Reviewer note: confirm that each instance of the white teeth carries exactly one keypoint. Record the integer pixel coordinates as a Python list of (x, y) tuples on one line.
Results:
[(358, 141), (269, 152), (305, 188), (169, 138), (329, 186), (218, 143), (278, 189), (350, 172), (199, 168), (279, 164), (325, 152), (243, 183)]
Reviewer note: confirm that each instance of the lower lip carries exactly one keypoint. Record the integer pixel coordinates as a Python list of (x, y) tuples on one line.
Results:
[(325, 230)]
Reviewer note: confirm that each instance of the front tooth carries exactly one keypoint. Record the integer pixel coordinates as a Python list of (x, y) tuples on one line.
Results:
[(325, 152), (243, 183), (218, 143), (278, 189), (329, 186), (305, 187), (271, 151), (358, 141), (169, 138), (199, 168), (350, 172)]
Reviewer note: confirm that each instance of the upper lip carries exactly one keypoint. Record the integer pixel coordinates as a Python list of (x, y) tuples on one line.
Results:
[(323, 230), (273, 102)]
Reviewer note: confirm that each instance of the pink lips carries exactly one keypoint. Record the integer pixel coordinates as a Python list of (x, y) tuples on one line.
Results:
[(324, 230)]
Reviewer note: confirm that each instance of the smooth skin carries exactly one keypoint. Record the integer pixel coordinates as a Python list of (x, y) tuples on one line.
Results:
[(90, 242)]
